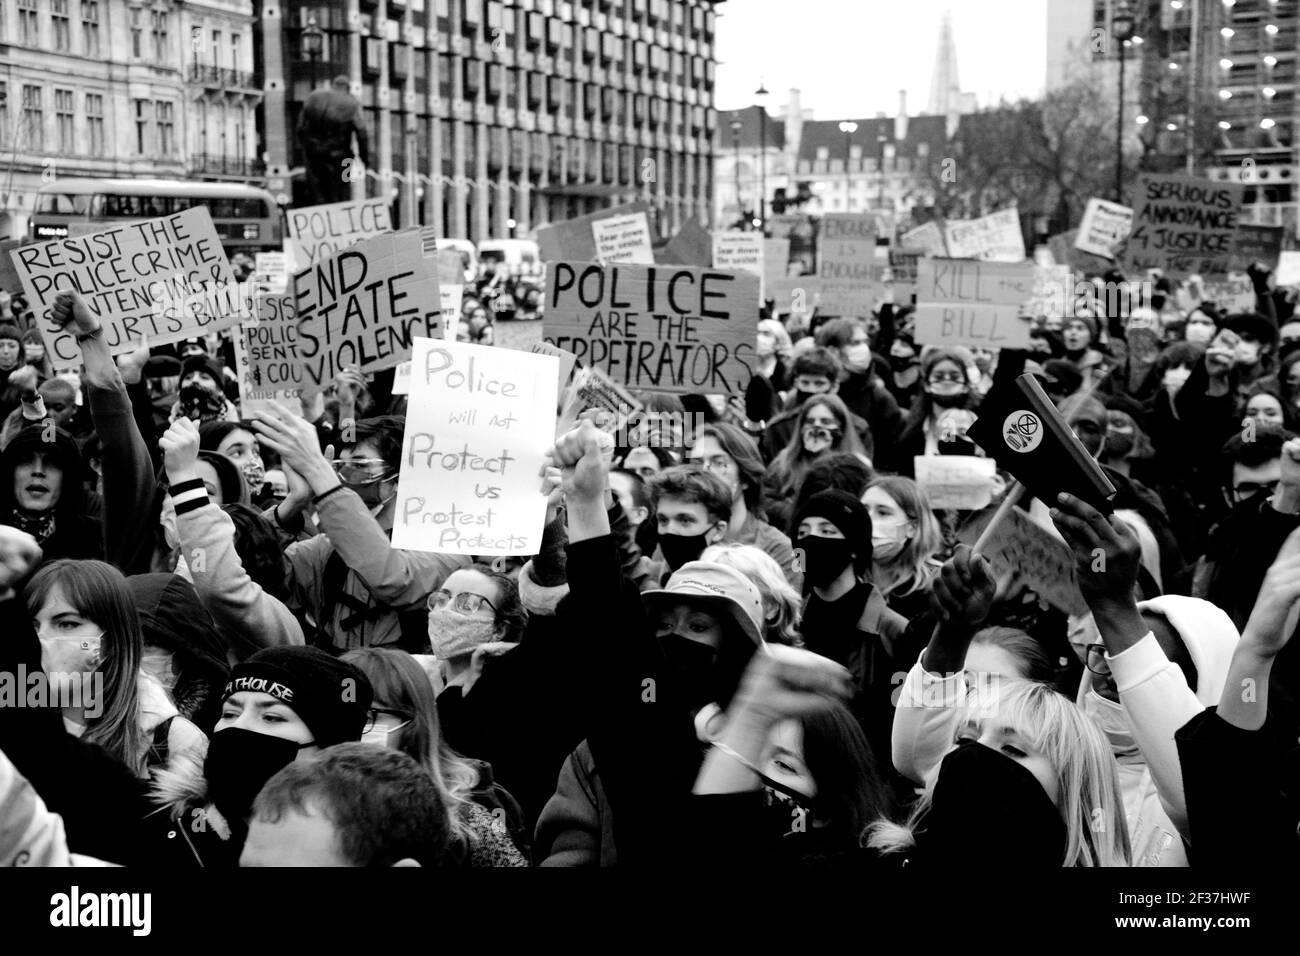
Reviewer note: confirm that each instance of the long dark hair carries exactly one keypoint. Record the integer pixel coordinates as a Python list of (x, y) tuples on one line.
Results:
[(850, 794)]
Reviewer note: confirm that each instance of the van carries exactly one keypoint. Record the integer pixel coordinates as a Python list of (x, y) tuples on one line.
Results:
[(515, 256), (468, 255)]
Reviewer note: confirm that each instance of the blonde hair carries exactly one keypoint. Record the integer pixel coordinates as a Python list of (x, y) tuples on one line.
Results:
[(1087, 776), (915, 561), (778, 331), (778, 595)]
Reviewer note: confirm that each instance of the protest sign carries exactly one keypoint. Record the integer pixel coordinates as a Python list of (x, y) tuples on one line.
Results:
[(962, 482), (741, 252), (271, 264), (567, 359), (1032, 556), (451, 290), (574, 239), (515, 334), (266, 353), (848, 247), (597, 390), (479, 422), (1184, 226), (1288, 269), (363, 306), (162, 279), (1105, 225), (9, 281), (1256, 244), (1230, 294), (976, 304), (402, 378), (321, 231), (663, 328), (993, 238), (928, 239), (692, 246), (776, 261), (1053, 292), (623, 239)]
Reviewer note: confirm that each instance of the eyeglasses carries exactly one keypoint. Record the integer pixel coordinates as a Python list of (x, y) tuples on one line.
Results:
[(374, 713), (713, 462), (359, 469), (1096, 660), (465, 602), (946, 377)]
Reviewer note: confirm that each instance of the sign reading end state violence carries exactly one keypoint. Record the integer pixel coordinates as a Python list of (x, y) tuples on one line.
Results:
[(976, 304), (163, 279), (661, 328), (478, 425)]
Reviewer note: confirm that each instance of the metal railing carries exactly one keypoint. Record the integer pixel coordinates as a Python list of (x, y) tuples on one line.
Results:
[(220, 77), (206, 164)]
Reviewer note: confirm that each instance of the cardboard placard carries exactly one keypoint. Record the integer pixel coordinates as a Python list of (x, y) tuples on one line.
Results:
[(1257, 244), (1231, 294), (1081, 263), (573, 239), (848, 247), (960, 482), (623, 239), (366, 304), (271, 264), (976, 304), (478, 425), (271, 344), (662, 328), (1288, 269), (928, 238), (993, 238), (451, 290), (692, 246), (9, 281), (741, 252), (1030, 554), (567, 359), (1183, 226), (164, 279), (317, 232), (1053, 292), (1105, 225), (597, 390), (776, 261)]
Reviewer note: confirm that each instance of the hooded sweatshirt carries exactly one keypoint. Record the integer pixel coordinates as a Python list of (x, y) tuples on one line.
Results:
[(74, 535), (1156, 702)]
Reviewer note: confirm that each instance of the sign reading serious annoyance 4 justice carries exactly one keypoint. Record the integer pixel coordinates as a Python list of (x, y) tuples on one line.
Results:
[(1183, 226), (164, 279), (479, 423), (661, 328)]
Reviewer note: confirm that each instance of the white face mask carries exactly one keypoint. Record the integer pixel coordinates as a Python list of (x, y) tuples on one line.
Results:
[(1113, 721), (1199, 334), (858, 357), (888, 537), (381, 736), (1175, 378)]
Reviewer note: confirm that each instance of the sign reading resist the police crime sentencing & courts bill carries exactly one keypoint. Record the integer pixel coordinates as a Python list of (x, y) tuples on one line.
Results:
[(975, 304), (479, 423), (274, 371), (320, 231), (163, 279), (661, 328)]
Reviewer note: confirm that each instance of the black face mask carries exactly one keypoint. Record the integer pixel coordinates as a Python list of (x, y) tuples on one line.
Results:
[(199, 404), (957, 400), (238, 765), (1118, 445), (678, 549), (824, 559), (801, 396), (987, 806), (957, 446), (901, 363), (692, 665)]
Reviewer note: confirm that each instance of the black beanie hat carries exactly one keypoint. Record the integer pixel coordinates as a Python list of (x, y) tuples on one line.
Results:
[(208, 366), (848, 514), (330, 696), (10, 331)]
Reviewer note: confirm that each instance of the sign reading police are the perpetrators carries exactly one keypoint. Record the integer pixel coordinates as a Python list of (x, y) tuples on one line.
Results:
[(478, 425), (993, 238), (975, 304), (321, 231), (365, 305), (1183, 226), (162, 279), (623, 239), (661, 328), (1105, 225)]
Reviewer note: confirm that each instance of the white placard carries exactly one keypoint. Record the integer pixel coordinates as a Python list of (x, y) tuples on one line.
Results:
[(623, 239), (1105, 224)]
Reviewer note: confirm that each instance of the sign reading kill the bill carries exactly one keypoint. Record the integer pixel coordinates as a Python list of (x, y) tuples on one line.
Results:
[(661, 328), (975, 304), (1183, 226), (479, 423), (163, 279), (365, 305), (320, 231)]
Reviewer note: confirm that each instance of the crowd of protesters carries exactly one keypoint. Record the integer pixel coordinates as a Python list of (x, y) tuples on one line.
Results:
[(748, 636)]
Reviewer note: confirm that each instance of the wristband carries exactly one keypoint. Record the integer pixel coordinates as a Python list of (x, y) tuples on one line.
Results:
[(95, 334)]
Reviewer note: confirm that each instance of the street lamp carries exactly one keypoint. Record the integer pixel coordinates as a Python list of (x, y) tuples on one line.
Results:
[(736, 126), (848, 128), (761, 93), (1121, 27), (313, 44)]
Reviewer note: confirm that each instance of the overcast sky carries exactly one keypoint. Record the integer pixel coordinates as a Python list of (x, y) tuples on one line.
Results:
[(851, 57)]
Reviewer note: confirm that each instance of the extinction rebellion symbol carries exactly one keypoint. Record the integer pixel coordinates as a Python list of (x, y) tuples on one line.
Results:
[(1022, 431)]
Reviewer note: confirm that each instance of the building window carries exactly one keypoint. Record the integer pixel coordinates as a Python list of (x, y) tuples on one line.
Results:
[(160, 50), (4, 113), (164, 111), (95, 124), (34, 118), (216, 47), (141, 127), (241, 134), (137, 32), (201, 128), (60, 26), (236, 52), (29, 27), (63, 118), (90, 27)]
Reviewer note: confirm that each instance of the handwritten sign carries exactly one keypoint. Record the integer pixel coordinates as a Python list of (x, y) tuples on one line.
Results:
[(1053, 292), (478, 425), (364, 306), (741, 252), (1256, 244), (1183, 225), (961, 482), (270, 370), (9, 280), (976, 304), (1288, 269), (597, 390), (927, 238), (574, 239), (451, 290), (776, 261), (1231, 294), (1031, 555), (848, 247), (993, 238), (1105, 225), (661, 328), (623, 239), (165, 279), (322, 231)]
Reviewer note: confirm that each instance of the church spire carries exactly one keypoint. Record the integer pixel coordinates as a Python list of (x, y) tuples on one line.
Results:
[(945, 88)]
